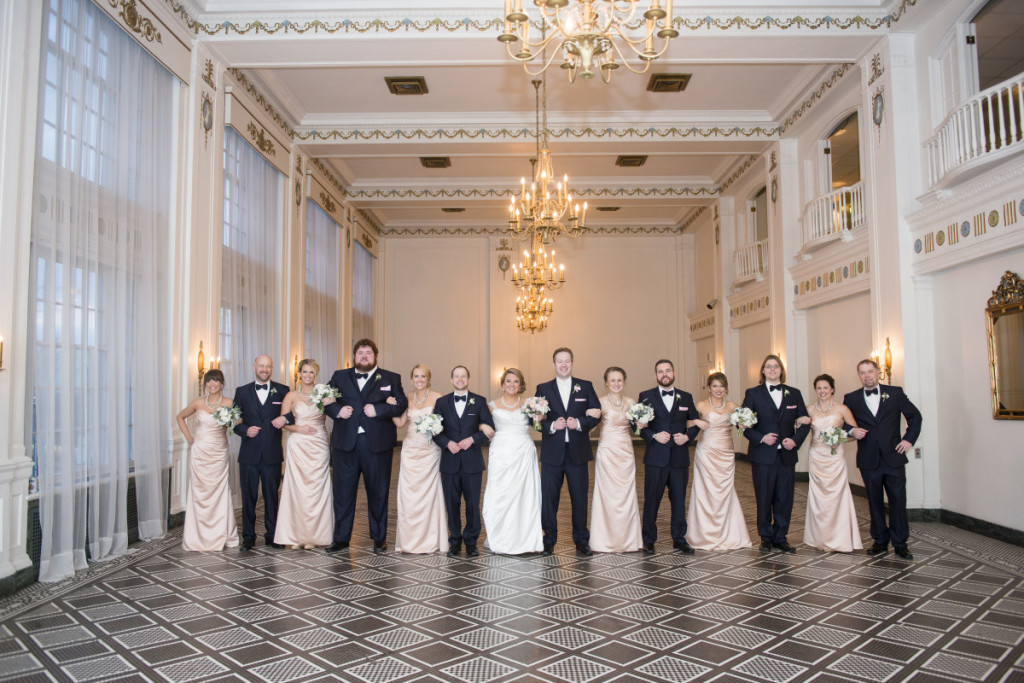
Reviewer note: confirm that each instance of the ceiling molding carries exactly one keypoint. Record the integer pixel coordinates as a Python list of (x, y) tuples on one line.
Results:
[(454, 231), (397, 193), (735, 175), (767, 132), (806, 105), (259, 98)]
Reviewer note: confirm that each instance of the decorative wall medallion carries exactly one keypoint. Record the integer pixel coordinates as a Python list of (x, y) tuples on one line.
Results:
[(796, 289), (718, 235), (503, 265), (367, 242), (1020, 209), (918, 246), (940, 238), (993, 218), (819, 281), (878, 107), (846, 272), (328, 204), (206, 117), (775, 189), (860, 266), (263, 143), (208, 74), (965, 229), (136, 22), (876, 68), (298, 193)]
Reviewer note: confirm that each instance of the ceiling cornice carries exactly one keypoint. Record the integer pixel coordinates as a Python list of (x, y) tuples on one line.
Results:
[(716, 131), (400, 193)]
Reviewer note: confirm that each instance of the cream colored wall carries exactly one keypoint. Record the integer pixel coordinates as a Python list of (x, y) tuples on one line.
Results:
[(755, 344)]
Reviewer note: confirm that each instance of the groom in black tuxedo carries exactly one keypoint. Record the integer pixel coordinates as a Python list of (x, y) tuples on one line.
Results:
[(667, 456), (774, 444), (462, 463), (882, 455), (363, 442), (565, 450), (260, 455)]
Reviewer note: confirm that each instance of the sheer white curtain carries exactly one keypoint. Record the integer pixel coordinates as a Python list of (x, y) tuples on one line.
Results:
[(102, 176), (362, 293), (321, 295), (253, 217)]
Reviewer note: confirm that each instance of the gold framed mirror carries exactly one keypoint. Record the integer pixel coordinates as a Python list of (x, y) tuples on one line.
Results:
[(1005, 316)]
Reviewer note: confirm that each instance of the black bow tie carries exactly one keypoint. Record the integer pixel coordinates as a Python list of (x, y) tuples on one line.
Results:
[(667, 393), (262, 387), (362, 375), (869, 392), (460, 398), (776, 387)]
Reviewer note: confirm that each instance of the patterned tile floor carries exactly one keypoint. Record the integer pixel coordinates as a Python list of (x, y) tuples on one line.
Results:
[(159, 614)]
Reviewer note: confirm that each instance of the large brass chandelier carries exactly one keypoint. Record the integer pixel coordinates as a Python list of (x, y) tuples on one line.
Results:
[(588, 34)]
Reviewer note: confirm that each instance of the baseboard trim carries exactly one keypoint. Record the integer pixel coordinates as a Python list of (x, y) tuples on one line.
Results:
[(980, 526), (9, 585)]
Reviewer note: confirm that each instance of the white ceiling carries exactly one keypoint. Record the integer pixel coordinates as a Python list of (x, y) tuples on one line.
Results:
[(479, 111)]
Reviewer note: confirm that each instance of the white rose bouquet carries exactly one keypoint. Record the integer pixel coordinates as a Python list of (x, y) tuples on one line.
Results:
[(833, 436), (742, 418), (227, 416), (535, 408), (320, 393), (429, 425), (639, 415)]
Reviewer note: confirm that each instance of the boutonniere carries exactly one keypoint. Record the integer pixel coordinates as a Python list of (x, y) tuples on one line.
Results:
[(785, 392), (472, 401), (273, 390), (376, 378), (885, 397), (575, 388)]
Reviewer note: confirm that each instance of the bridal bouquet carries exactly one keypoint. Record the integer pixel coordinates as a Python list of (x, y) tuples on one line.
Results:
[(639, 415), (226, 416), (535, 408), (320, 393), (833, 436), (428, 425), (742, 418)]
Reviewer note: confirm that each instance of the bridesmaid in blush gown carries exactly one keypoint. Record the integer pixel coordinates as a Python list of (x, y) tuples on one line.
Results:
[(511, 506), (209, 513), (305, 514), (615, 513), (715, 518), (831, 516), (422, 525)]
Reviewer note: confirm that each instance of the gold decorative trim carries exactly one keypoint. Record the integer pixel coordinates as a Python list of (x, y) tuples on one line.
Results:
[(369, 221), (208, 74), (319, 165), (876, 68), (178, 9), (451, 231), (430, 193), (262, 101), (735, 175), (328, 202), (528, 133), (752, 306), (1010, 291), (367, 242), (834, 275), (838, 73), (263, 143), (693, 217), (298, 163), (135, 22)]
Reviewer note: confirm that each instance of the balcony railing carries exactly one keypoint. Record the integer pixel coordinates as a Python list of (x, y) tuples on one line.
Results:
[(751, 261), (986, 126), (834, 213)]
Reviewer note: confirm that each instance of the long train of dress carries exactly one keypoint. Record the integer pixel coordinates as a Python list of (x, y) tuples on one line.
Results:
[(511, 506)]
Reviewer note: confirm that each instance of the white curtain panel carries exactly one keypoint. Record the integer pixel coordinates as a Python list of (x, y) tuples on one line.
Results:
[(250, 271), (99, 364), (362, 293), (320, 300)]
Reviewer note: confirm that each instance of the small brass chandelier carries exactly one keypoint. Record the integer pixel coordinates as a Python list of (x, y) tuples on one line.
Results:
[(588, 34), (534, 277)]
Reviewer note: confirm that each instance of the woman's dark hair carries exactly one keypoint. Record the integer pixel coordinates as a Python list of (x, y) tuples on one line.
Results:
[(213, 375), (827, 378), (720, 376), (614, 368)]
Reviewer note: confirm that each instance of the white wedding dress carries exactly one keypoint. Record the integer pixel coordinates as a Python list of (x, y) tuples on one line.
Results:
[(511, 507)]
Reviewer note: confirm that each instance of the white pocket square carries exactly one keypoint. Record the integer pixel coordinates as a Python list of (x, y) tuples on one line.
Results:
[(790, 407), (683, 408), (581, 399), (276, 403), (387, 388)]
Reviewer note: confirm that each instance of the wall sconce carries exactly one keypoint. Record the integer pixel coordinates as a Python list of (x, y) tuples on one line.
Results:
[(1, 353), (295, 372), (201, 365), (884, 363)]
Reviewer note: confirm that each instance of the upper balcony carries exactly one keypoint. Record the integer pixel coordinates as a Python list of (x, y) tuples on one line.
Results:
[(750, 262), (832, 217), (985, 129)]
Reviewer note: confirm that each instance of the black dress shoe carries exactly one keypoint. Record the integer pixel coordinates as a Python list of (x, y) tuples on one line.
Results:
[(648, 548), (784, 547), (584, 549), (683, 547), (276, 546), (904, 553), (878, 549), (246, 545), (454, 551), (471, 551), (766, 546), (336, 546), (548, 550), (379, 547)]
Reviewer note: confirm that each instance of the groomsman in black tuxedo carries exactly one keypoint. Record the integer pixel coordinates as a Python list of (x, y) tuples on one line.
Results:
[(462, 464), (882, 455), (667, 456), (363, 442), (260, 455), (774, 444), (565, 450)]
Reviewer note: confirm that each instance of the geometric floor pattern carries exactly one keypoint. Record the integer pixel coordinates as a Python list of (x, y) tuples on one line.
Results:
[(956, 613)]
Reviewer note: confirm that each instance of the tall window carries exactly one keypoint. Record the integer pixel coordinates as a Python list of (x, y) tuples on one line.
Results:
[(320, 303), (99, 250), (842, 153), (362, 292)]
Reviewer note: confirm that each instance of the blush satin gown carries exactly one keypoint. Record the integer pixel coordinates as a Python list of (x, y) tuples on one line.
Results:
[(422, 523), (209, 512), (615, 512), (831, 516), (305, 514), (715, 519)]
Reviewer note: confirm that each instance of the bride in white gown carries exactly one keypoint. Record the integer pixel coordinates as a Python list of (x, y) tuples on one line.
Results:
[(511, 507)]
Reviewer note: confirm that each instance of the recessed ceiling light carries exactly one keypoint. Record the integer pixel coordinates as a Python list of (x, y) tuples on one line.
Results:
[(406, 85), (436, 162), (631, 160)]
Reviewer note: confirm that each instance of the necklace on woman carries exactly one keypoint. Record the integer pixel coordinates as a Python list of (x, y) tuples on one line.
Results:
[(612, 400), (817, 404), (309, 396), (420, 401), (207, 399), (514, 405), (713, 406)]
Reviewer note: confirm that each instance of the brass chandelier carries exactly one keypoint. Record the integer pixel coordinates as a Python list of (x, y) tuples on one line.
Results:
[(535, 275), (588, 34)]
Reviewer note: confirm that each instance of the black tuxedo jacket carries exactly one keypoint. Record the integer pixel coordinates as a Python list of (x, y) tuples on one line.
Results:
[(381, 434), (581, 398), (455, 428), (674, 422), (265, 447), (884, 428), (781, 421)]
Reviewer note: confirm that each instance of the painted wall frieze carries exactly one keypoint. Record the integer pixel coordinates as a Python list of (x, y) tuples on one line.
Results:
[(503, 193), (588, 132)]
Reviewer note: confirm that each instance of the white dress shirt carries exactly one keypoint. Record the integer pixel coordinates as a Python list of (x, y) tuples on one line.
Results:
[(361, 382), (460, 406), (874, 400), (668, 400), (776, 395)]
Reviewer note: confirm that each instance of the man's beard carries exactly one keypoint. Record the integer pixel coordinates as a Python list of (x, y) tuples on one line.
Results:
[(364, 367)]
